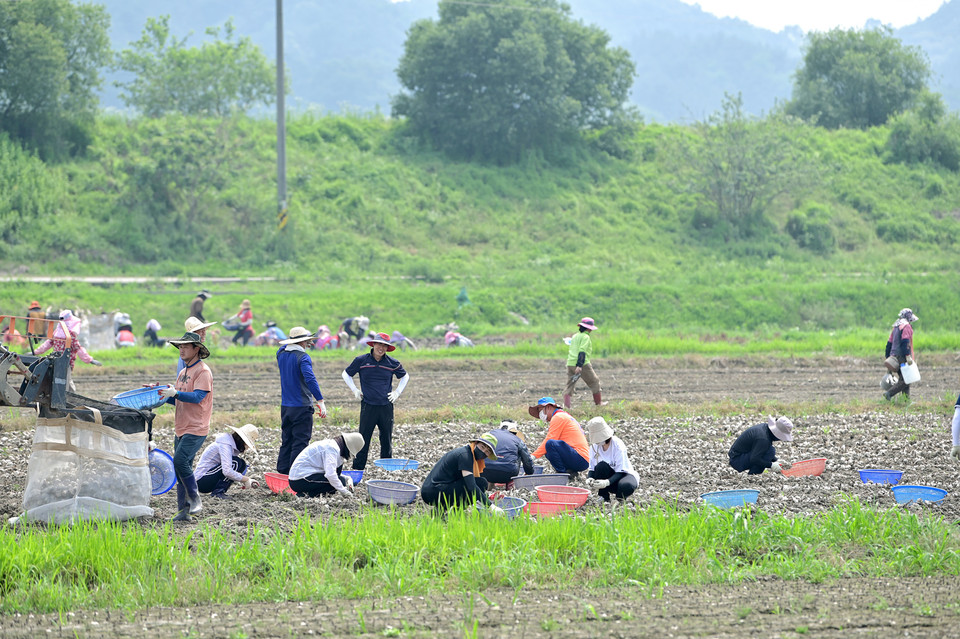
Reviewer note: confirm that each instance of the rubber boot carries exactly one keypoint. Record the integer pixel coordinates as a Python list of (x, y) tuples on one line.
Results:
[(597, 400), (193, 495), (566, 402), (183, 515)]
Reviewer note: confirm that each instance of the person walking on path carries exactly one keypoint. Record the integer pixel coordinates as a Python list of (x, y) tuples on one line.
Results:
[(192, 395), (299, 392), (565, 445), (221, 466), (900, 345), (512, 453), (611, 472), (245, 322), (376, 370), (753, 450), (196, 306), (456, 479), (579, 366), (59, 344), (318, 469)]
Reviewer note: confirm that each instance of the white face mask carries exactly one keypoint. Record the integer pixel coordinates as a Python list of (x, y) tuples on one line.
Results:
[(543, 415)]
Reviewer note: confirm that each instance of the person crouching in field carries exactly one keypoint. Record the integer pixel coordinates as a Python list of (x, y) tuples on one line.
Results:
[(512, 453), (610, 469), (318, 469), (221, 465), (565, 445), (456, 479), (753, 450)]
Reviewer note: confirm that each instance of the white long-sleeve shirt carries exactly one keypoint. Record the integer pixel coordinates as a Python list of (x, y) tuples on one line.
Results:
[(615, 456), (219, 454), (320, 457)]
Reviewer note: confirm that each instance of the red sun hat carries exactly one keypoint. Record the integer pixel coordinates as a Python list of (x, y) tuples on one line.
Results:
[(587, 323), (382, 338)]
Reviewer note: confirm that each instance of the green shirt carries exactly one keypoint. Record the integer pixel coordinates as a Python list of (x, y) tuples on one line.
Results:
[(580, 342)]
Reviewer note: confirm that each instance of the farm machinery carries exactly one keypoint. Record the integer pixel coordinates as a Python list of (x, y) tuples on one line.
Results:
[(44, 379)]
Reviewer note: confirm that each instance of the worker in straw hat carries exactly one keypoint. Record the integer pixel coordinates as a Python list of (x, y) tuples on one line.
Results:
[(192, 395), (578, 363), (511, 453), (610, 472), (198, 326), (299, 393), (456, 479), (220, 464), (318, 469), (565, 445), (753, 450), (376, 370)]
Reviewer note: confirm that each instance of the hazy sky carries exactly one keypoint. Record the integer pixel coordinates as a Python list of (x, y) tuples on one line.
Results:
[(820, 15)]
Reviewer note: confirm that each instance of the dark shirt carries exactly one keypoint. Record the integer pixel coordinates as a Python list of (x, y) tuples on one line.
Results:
[(375, 377), (511, 452), (756, 441), (196, 308), (449, 470)]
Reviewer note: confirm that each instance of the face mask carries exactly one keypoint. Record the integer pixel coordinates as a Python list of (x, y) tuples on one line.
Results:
[(543, 415), (479, 454)]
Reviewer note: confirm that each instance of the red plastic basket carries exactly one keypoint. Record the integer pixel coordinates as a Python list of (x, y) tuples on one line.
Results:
[(278, 483), (572, 495), (546, 509), (813, 467)]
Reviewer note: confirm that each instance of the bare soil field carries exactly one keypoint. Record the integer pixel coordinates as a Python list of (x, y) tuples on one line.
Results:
[(677, 459)]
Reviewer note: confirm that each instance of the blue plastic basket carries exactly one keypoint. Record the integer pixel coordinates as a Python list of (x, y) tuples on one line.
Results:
[(530, 482), (731, 498), (391, 493), (141, 398), (880, 476), (161, 471), (355, 475), (397, 463), (907, 494)]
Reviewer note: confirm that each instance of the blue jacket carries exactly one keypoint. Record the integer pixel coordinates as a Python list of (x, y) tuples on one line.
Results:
[(511, 452), (297, 381)]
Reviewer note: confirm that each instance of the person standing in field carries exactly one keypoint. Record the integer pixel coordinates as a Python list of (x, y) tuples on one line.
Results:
[(579, 366), (192, 395), (376, 370), (900, 345), (299, 391), (245, 320), (36, 327), (753, 450), (194, 325), (196, 306), (59, 344), (565, 445), (221, 466)]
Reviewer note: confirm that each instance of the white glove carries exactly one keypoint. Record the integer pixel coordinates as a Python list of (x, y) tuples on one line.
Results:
[(496, 510), (322, 409), (249, 482), (348, 482), (151, 445), (168, 392), (393, 396), (910, 360), (600, 484), (776, 466), (955, 453), (357, 393)]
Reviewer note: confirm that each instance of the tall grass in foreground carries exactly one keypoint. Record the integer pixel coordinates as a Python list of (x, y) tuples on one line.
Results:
[(111, 565)]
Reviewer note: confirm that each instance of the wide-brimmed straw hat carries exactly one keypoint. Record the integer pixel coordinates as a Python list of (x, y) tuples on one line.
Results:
[(782, 428), (587, 323), (298, 334), (245, 304), (382, 338), (191, 338), (248, 433), (353, 441), (490, 440), (598, 430), (194, 324), (543, 401)]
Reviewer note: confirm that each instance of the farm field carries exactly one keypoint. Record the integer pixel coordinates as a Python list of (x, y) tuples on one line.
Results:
[(678, 458)]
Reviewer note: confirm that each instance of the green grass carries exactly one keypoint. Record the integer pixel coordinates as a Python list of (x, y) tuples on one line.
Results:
[(59, 568)]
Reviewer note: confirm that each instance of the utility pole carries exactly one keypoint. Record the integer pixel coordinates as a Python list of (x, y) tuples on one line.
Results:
[(281, 126)]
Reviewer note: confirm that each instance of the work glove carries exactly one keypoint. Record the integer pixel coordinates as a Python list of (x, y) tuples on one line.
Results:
[(348, 482), (497, 510), (955, 453), (151, 446), (96, 362), (357, 393), (168, 392), (322, 409), (776, 466), (600, 484), (910, 360), (393, 396), (249, 482)]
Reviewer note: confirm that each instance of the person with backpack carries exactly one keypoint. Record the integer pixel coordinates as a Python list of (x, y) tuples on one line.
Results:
[(900, 346), (299, 393)]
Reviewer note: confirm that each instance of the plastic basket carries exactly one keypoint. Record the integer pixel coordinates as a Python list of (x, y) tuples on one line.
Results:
[(731, 498), (391, 493), (141, 398), (807, 467), (512, 506), (907, 494), (278, 483), (397, 463), (572, 495), (530, 482), (162, 476), (880, 476), (546, 509), (355, 475)]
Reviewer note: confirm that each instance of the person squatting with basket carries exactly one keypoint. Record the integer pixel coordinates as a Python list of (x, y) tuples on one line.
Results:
[(299, 391), (192, 395), (318, 469), (900, 347), (376, 370), (565, 445), (456, 480), (611, 472), (220, 465), (753, 450), (511, 454), (579, 366)]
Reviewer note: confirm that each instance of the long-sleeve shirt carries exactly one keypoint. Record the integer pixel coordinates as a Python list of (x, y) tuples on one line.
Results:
[(511, 453), (59, 344), (615, 456), (449, 470), (219, 453), (757, 441), (375, 377), (320, 457), (580, 343), (298, 384), (900, 343), (565, 428)]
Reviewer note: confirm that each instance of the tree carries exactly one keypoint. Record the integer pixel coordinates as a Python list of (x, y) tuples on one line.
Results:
[(857, 79), (926, 133), (491, 80), (51, 54), (219, 78)]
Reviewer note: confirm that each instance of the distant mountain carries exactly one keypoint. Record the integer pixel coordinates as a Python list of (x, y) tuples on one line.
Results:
[(342, 54)]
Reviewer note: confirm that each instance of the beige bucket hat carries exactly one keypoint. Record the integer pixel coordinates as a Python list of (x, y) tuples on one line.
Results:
[(599, 430), (248, 433)]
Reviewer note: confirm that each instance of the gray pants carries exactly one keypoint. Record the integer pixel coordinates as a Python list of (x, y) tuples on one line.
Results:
[(588, 376)]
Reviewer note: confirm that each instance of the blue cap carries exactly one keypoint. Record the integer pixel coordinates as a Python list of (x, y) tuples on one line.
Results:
[(543, 401)]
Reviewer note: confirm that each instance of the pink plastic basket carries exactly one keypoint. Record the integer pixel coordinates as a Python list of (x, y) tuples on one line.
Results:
[(572, 495), (814, 467), (278, 483), (546, 509)]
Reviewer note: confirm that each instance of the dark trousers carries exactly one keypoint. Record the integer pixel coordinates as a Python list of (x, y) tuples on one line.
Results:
[(373, 416), (743, 462), (243, 334), (622, 485), (899, 387), (216, 482), (499, 475), (185, 450), (296, 429), (450, 495), (313, 485), (564, 458)]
